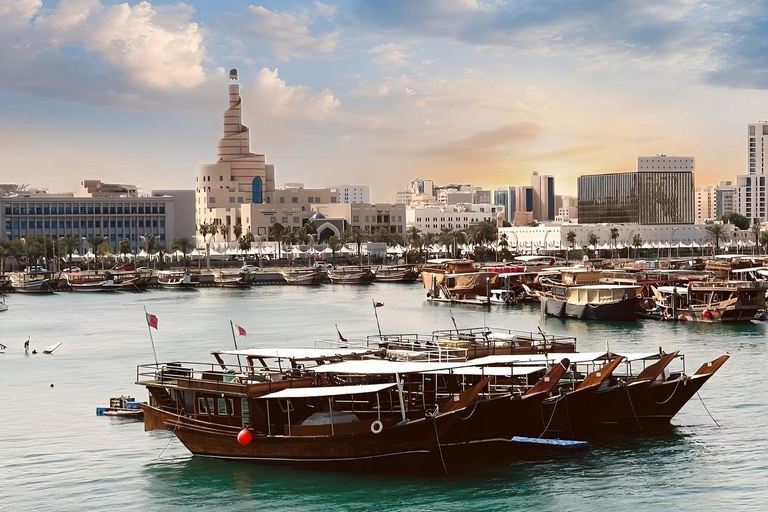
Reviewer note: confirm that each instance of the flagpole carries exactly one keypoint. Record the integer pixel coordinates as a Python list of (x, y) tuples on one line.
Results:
[(149, 329), (234, 339), (377, 316), (454, 322)]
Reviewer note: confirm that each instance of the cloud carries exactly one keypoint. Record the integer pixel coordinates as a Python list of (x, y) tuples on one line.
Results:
[(390, 54), (62, 51), (484, 142), (289, 34), (272, 97), (714, 40)]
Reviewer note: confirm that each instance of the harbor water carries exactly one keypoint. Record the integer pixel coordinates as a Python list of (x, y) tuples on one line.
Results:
[(56, 454)]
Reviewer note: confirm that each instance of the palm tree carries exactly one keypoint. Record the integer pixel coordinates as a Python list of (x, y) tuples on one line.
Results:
[(161, 250), (426, 241), (756, 232), (593, 240), (614, 237), (764, 240), (307, 229), (715, 234), (637, 242), (334, 243), (237, 230), (5, 252), (571, 238), (413, 236), (358, 237), (67, 246), (277, 231), (206, 229), (124, 247), (104, 252), (95, 242), (245, 242), (224, 230), (183, 244)]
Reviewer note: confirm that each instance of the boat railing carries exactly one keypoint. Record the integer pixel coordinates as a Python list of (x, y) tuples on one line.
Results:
[(336, 343), (484, 334), (210, 376)]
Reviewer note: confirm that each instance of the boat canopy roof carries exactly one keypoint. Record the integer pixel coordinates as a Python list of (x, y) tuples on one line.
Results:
[(607, 287), (308, 354), (322, 391), (493, 371), (384, 367), (534, 257), (681, 290), (752, 269), (513, 274)]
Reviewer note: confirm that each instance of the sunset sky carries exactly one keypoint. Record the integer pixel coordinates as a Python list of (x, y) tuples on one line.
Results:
[(379, 92)]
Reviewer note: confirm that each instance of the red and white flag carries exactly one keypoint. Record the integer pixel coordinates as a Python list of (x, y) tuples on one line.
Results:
[(378, 304), (240, 331), (152, 320)]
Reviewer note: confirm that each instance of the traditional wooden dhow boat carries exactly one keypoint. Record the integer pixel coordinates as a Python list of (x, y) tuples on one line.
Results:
[(231, 281), (397, 273), (351, 275), (716, 301), (580, 294), (36, 282), (305, 276), (177, 280), (300, 421)]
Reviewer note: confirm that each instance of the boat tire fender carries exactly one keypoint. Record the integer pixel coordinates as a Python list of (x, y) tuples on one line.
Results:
[(377, 427)]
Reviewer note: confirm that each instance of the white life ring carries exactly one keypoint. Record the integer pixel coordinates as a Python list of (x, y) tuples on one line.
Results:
[(377, 427)]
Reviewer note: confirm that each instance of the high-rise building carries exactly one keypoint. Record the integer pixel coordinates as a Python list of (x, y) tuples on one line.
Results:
[(706, 203), (649, 196), (750, 188), (544, 207), (725, 199), (665, 163), (481, 196), (354, 193)]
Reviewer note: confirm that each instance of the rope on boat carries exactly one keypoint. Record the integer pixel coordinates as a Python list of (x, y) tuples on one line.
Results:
[(670, 396), (172, 436), (705, 408), (470, 414), (437, 436), (551, 415), (629, 397)]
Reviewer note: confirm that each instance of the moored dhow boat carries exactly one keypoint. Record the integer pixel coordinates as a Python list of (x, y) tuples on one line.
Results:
[(176, 280), (580, 294), (397, 273), (231, 280), (351, 275), (304, 276), (715, 301), (36, 282), (87, 281)]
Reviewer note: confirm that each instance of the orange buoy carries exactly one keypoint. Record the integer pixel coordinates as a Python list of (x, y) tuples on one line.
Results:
[(244, 437)]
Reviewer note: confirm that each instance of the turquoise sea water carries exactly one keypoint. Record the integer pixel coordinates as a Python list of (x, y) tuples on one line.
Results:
[(56, 454)]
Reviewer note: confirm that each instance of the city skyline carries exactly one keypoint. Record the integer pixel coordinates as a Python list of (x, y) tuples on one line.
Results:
[(342, 92)]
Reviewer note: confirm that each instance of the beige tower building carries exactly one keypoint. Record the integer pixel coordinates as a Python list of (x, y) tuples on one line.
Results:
[(238, 177)]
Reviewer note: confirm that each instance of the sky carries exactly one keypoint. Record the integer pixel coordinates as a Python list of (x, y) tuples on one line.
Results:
[(379, 92)]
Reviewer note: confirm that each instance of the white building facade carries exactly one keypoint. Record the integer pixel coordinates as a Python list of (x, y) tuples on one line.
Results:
[(435, 218), (354, 193), (750, 194), (706, 204)]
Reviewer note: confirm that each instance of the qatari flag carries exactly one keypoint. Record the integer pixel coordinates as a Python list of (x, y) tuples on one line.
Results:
[(152, 320), (240, 330)]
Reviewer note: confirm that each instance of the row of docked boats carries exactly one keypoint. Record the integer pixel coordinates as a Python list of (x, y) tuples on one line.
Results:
[(352, 274), (435, 401), (589, 292)]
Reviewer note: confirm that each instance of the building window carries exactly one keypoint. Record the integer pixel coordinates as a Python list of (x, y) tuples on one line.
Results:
[(221, 178), (231, 199), (294, 199), (213, 200), (282, 199)]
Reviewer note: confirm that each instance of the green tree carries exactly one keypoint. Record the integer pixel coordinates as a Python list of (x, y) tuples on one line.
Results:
[(593, 239), (237, 229), (307, 230), (358, 238), (413, 236), (124, 247), (756, 233), (183, 244), (5, 253), (764, 240), (637, 242), (224, 229), (104, 252), (206, 229), (67, 246), (278, 233), (614, 237), (334, 244), (571, 239), (715, 233), (737, 220)]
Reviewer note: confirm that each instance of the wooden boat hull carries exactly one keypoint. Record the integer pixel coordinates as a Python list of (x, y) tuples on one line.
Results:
[(178, 286), (397, 276), (624, 309), (352, 279), (395, 448), (304, 278), (34, 287)]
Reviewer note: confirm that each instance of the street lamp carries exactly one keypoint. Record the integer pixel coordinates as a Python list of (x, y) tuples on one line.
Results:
[(258, 239), (702, 240)]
